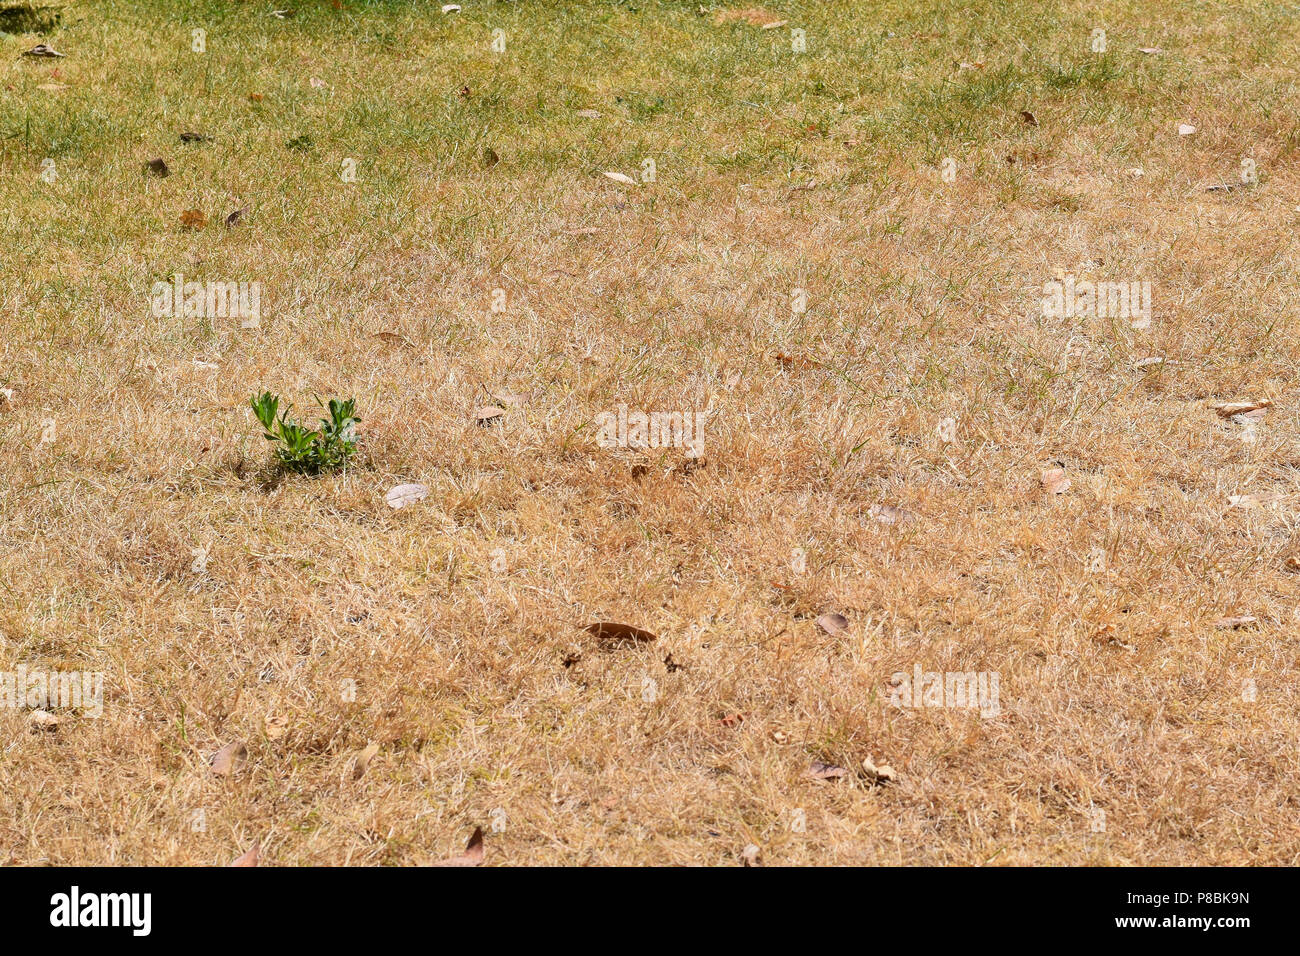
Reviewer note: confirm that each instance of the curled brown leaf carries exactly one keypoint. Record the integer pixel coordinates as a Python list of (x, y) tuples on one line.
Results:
[(228, 758), (833, 624), (473, 855), (615, 634), (249, 857)]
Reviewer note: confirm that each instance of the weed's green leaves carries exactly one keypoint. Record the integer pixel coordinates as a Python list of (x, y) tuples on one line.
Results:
[(265, 407), (305, 450)]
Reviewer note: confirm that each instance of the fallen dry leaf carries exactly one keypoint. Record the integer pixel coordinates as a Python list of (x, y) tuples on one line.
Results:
[(508, 397), (825, 771), (157, 167), (620, 178), (1244, 620), (1054, 481), (193, 219), (1150, 50), (42, 49), (1186, 129), (1107, 635), (275, 726), (399, 496), (233, 219), (395, 337), (363, 760), (793, 361), (879, 775), (891, 514), (1229, 409), (750, 854), (833, 624), (190, 137), (1253, 500), (1028, 118), (732, 720), (225, 760), (473, 854), (588, 114), (43, 721), (490, 157), (249, 857), (488, 414), (616, 634)]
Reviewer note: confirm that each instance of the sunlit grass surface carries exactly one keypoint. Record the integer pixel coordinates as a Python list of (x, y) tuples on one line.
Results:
[(145, 534)]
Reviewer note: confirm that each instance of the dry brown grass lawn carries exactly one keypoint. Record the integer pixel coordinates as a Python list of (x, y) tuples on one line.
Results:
[(458, 619)]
